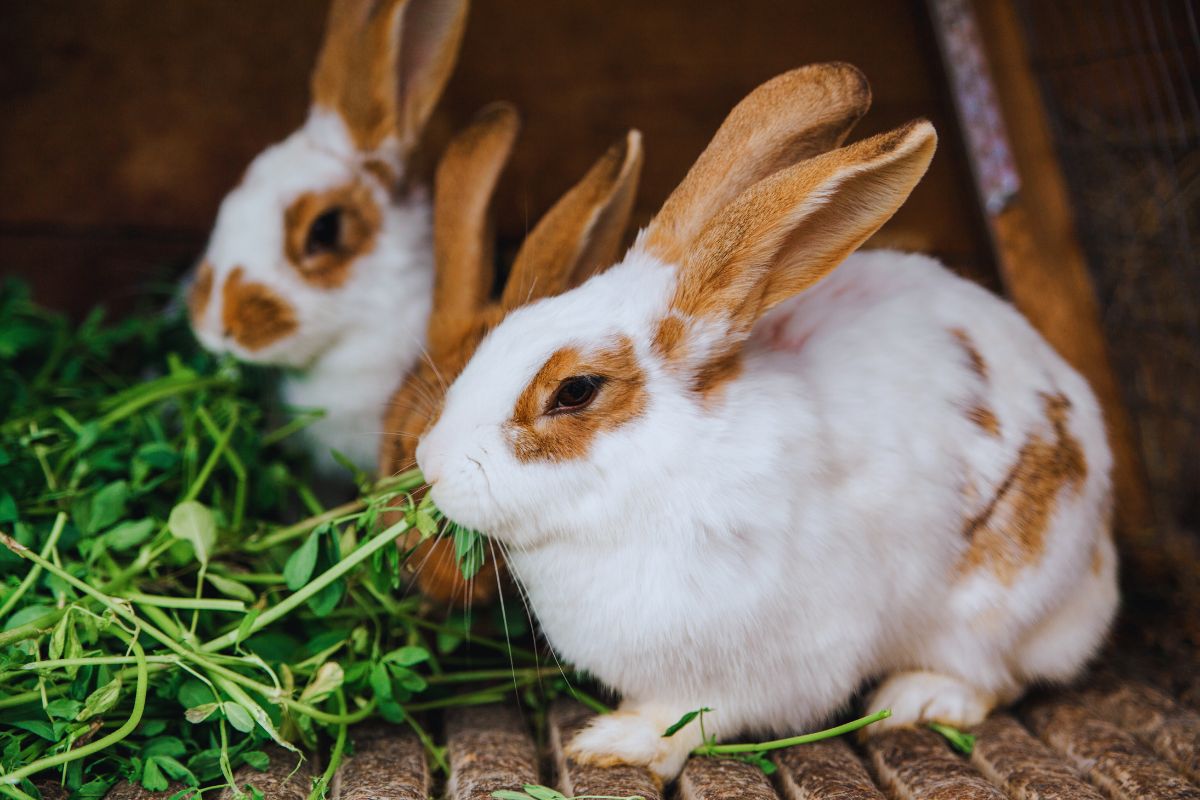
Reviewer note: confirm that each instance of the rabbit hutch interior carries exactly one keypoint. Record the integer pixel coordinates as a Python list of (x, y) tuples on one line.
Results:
[(263, 260)]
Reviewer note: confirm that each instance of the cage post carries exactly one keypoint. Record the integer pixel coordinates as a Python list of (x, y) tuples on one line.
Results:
[(1023, 195)]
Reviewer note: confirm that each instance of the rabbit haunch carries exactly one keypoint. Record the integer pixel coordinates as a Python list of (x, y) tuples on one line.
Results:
[(321, 257), (805, 500)]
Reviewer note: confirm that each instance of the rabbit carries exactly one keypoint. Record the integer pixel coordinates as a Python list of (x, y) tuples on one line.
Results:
[(581, 232), (321, 259), (748, 469)]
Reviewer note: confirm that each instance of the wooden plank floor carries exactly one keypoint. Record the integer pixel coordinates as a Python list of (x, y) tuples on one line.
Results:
[(1129, 730), (1119, 737)]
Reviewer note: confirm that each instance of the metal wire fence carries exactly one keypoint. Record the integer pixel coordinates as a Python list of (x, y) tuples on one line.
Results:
[(1120, 80)]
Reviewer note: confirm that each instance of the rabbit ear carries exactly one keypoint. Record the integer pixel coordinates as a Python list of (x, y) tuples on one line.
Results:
[(792, 117), (384, 64), (582, 232), (788, 231), (466, 179)]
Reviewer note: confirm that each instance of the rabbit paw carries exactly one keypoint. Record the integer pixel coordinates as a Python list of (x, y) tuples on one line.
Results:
[(916, 697), (632, 737)]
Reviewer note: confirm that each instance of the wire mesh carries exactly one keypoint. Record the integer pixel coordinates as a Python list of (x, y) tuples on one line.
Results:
[(1119, 78)]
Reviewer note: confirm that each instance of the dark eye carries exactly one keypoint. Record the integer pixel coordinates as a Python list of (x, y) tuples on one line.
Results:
[(325, 233), (575, 393)]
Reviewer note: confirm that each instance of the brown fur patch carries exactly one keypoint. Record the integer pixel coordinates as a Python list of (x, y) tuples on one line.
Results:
[(536, 436), (462, 239), (417, 404), (1009, 534), (717, 372), (382, 74), (669, 338), (974, 357), (200, 292), (354, 73), (360, 221), (985, 418), (253, 314), (382, 172)]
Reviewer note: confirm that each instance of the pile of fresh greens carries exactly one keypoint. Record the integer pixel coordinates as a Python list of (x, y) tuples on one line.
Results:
[(174, 598)]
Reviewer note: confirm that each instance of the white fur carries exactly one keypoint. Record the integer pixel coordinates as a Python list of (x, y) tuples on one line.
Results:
[(355, 342), (767, 551)]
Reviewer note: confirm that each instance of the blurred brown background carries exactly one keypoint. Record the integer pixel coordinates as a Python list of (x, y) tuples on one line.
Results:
[(125, 121)]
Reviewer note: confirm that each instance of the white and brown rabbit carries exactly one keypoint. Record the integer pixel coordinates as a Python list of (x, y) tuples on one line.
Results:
[(580, 233), (321, 259), (746, 469)]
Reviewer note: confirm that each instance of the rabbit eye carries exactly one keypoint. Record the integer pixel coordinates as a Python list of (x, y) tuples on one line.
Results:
[(325, 233), (575, 393)]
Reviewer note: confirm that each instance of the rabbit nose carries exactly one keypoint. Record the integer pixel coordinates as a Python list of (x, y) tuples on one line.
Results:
[(429, 469)]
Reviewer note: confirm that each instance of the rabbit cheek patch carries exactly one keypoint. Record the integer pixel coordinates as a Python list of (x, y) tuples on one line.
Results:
[(253, 314), (534, 436), (1010, 533), (199, 293), (358, 222)]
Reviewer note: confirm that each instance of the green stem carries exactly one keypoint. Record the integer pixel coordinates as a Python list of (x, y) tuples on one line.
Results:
[(589, 701), (135, 718), (15, 793), (146, 557), (33, 628), (426, 740), (164, 601), (36, 696), (221, 442), (779, 744), (495, 674), (335, 758), (405, 481), (169, 388), (95, 661), (238, 467), (481, 697), (494, 644), (377, 542), (259, 578), (11, 601), (301, 420), (32, 696), (164, 623)]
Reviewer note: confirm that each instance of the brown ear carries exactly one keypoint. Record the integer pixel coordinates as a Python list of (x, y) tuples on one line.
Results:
[(431, 33), (582, 233), (384, 63), (792, 117), (788, 231), (462, 243)]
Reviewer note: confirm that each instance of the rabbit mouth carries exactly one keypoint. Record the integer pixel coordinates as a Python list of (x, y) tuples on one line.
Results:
[(466, 497)]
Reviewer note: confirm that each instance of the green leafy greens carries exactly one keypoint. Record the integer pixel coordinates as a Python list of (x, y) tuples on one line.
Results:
[(174, 597)]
